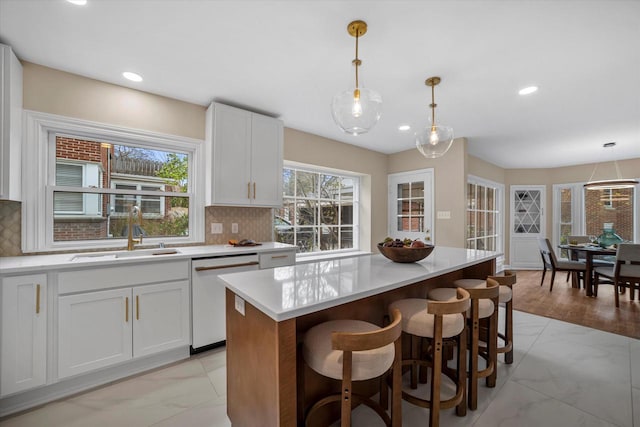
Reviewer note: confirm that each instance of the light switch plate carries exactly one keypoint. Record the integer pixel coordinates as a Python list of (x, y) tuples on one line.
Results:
[(234, 227), (239, 305), (444, 214), (216, 228)]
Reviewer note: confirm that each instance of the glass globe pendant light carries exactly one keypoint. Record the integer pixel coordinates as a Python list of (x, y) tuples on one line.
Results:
[(434, 141), (357, 110)]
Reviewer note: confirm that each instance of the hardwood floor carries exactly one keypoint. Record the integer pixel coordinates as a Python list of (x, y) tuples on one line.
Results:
[(572, 305)]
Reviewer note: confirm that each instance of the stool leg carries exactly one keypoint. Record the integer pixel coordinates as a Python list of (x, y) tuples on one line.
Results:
[(508, 330), (396, 392), (436, 370), (345, 414), (473, 357), (461, 409), (415, 353), (492, 345)]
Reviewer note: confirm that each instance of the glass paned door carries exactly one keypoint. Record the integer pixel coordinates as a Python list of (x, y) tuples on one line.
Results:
[(410, 205), (527, 225)]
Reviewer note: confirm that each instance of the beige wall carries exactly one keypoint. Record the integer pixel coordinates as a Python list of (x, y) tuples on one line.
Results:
[(56, 92), (484, 169), (450, 180)]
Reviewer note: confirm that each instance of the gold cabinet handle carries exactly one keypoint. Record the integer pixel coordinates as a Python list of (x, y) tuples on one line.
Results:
[(137, 307), (254, 190), (248, 190), (279, 256), (126, 309), (38, 298)]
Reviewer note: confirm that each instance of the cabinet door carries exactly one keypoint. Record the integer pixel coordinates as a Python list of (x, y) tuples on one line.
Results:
[(266, 161), (94, 330), (161, 317), (231, 156), (10, 124), (24, 333)]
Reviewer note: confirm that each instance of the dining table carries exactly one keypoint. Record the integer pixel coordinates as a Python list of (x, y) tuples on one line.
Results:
[(589, 250)]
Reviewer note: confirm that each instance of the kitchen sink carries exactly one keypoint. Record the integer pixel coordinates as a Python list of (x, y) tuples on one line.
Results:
[(124, 254)]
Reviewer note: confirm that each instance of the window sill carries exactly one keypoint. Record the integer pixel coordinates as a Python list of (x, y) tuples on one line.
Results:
[(305, 258)]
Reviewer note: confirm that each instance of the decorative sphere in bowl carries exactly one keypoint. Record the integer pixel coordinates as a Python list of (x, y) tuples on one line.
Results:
[(406, 253)]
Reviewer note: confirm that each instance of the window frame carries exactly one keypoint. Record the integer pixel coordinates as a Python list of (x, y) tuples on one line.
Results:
[(499, 215), (579, 221), (39, 173), (356, 206)]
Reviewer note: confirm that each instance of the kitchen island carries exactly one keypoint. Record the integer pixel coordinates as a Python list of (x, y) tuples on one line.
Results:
[(269, 311)]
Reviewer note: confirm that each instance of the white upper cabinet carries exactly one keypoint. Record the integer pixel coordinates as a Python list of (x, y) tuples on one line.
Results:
[(10, 124), (244, 158)]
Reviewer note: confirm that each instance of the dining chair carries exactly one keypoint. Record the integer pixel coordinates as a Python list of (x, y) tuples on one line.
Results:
[(550, 261), (624, 273)]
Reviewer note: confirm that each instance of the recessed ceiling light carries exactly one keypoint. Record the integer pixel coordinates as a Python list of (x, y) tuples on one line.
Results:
[(132, 76), (404, 128), (528, 90), (78, 2)]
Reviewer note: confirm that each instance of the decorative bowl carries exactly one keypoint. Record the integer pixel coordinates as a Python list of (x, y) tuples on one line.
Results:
[(405, 254)]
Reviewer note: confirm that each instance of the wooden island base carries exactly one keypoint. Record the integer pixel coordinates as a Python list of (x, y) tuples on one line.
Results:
[(264, 374)]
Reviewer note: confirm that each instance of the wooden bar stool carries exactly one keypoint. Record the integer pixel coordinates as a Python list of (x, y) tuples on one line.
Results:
[(354, 350), (437, 321), (484, 306), (505, 298)]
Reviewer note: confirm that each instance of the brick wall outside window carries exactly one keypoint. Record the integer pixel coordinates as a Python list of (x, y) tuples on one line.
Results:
[(620, 214)]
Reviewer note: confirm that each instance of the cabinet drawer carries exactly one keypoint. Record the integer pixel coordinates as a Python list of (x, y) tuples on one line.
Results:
[(277, 259), (91, 279)]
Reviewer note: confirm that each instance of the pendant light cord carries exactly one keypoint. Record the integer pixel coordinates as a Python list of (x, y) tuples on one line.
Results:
[(433, 106), (357, 61)]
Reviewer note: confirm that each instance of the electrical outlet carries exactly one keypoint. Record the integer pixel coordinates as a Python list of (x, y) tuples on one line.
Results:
[(234, 227), (216, 228), (444, 214), (239, 305)]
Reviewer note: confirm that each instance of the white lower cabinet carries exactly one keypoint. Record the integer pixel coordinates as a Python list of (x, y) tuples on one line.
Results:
[(23, 352), (99, 329), (161, 317)]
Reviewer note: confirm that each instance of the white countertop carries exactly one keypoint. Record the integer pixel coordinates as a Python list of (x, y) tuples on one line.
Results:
[(38, 263), (287, 292)]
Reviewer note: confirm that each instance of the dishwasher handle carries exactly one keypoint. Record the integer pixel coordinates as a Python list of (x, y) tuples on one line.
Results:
[(219, 267)]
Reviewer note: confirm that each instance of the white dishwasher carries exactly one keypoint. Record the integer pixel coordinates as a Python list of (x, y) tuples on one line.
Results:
[(208, 296)]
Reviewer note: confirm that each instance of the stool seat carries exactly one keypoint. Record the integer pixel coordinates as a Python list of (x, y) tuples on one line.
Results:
[(416, 320), (485, 306), (322, 358), (505, 295)]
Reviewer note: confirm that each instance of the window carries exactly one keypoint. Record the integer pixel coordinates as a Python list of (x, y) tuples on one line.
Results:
[(584, 212), (319, 210), (88, 177), (610, 206), (485, 206)]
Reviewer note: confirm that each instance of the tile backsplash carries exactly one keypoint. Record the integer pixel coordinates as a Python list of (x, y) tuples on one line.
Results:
[(253, 223), (10, 228)]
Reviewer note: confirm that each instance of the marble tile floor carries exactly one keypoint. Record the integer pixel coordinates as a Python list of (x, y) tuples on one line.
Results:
[(563, 375)]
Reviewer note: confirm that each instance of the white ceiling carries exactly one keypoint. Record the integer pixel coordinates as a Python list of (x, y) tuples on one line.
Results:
[(288, 59)]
